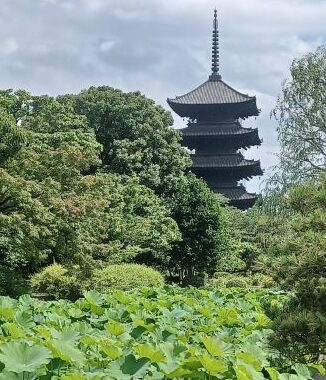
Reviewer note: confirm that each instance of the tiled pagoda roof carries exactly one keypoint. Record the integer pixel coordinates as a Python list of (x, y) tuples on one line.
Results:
[(222, 161), (214, 98), (237, 193), (219, 129), (212, 92), (238, 196)]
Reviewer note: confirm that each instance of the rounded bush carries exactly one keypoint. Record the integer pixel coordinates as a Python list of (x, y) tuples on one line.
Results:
[(125, 277), (56, 281)]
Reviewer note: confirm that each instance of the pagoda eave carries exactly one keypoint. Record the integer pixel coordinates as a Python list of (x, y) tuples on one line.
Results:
[(238, 197), (235, 173), (193, 140), (243, 204), (230, 161), (228, 110)]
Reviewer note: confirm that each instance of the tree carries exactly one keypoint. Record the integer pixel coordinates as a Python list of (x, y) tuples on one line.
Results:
[(199, 216), (138, 140), (299, 265), (11, 137), (136, 135), (52, 211), (301, 114)]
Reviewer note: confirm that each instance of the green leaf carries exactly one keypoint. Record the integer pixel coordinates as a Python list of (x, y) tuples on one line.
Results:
[(25, 319), (247, 372), (94, 298), (66, 335), (179, 373), (129, 366), (4, 375), (242, 372), (212, 366), (146, 350), (21, 357), (73, 376), (318, 367), (273, 373), (302, 370), (14, 330), (67, 352), (111, 351), (250, 359), (115, 328), (212, 346)]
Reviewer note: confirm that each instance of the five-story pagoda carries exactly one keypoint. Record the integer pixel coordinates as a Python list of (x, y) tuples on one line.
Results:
[(215, 133)]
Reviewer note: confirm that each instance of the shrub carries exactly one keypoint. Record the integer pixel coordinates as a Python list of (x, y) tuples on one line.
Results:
[(12, 282), (57, 282), (125, 277), (229, 280)]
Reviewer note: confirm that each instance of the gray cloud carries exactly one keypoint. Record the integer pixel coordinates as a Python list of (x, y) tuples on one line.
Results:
[(160, 47)]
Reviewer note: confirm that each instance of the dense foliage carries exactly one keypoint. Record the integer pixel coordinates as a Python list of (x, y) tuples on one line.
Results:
[(294, 208), (124, 277), (299, 265), (135, 134), (198, 214), (86, 179), (301, 115), (167, 333)]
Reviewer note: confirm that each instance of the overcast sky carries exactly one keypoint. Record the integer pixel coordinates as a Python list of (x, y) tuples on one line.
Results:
[(160, 47)]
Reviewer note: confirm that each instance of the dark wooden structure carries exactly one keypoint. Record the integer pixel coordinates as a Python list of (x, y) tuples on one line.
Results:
[(215, 133)]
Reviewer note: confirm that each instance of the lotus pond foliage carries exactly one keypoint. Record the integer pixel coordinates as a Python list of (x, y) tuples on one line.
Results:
[(162, 333)]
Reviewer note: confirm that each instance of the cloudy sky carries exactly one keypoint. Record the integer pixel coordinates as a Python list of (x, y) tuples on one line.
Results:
[(160, 47)]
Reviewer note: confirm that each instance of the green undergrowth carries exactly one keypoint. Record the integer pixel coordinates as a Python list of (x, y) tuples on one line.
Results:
[(163, 333)]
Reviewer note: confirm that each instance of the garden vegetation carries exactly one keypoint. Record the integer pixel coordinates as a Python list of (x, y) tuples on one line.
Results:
[(97, 201)]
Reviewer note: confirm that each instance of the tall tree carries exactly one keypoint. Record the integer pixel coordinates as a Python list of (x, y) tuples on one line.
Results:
[(136, 134), (301, 114), (199, 216)]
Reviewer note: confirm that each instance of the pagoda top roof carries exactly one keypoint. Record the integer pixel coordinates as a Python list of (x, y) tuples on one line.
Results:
[(214, 99), (215, 92)]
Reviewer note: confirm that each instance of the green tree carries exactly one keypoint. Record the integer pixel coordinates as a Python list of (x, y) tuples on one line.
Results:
[(11, 137), (56, 212), (244, 240), (301, 114), (136, 134), (199, 216), (299, 266)]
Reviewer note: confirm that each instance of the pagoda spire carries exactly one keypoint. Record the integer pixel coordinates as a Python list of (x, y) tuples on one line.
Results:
[(215, 50)]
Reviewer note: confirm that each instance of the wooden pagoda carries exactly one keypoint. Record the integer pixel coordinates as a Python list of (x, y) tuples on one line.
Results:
[(215, 133)]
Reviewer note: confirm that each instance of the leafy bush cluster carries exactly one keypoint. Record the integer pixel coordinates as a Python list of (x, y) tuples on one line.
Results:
[(125, 277), (167, 333), (58, 282)]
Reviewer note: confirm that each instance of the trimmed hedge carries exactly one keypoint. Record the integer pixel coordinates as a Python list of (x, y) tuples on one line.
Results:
[(57, 282), (125, 277)]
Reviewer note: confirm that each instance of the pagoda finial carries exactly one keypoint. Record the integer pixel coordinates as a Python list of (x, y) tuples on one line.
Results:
[(215, 50)]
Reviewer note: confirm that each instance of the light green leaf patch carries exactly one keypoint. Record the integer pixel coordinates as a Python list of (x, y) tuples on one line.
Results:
[(148, 351), (212, 346), (21, 357)]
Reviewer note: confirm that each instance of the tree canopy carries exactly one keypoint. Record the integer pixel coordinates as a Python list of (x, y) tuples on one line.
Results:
[(301, 115), (99, 177), (51, 210), (135, 134)]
